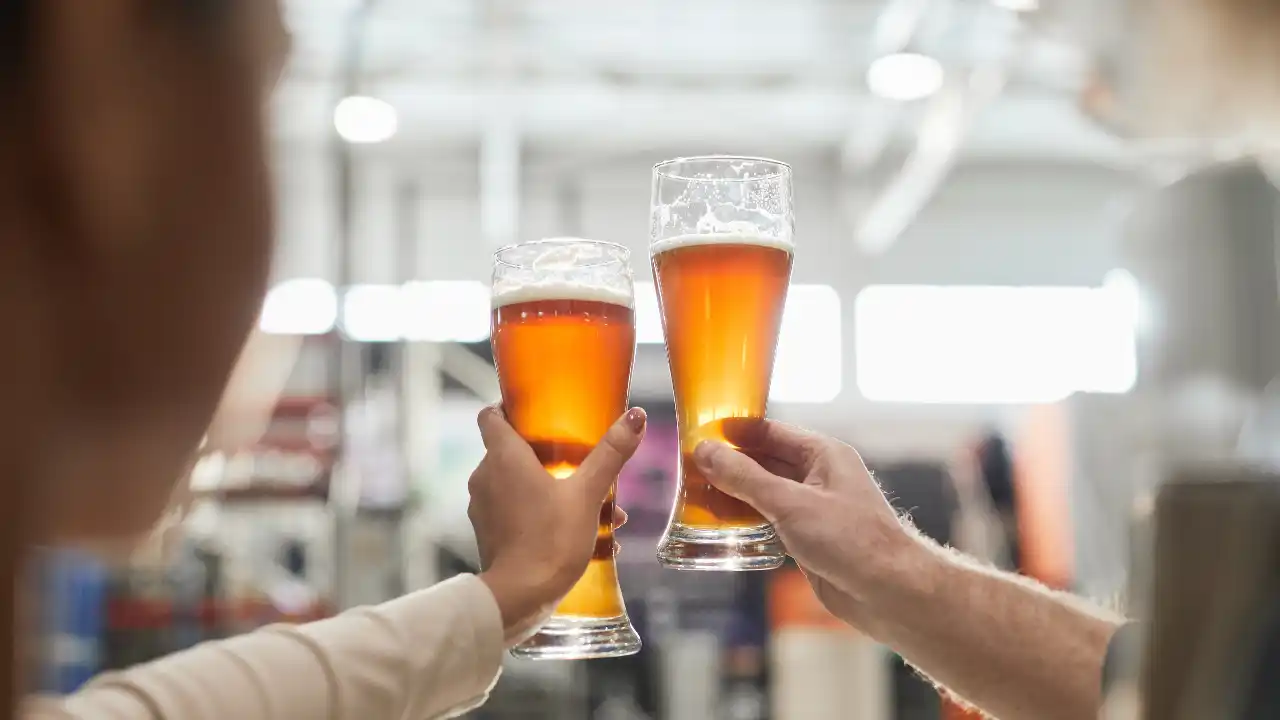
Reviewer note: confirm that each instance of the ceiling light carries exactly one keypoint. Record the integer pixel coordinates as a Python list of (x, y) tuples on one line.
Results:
[(360, 119), (304, 306), (808, 366), (373, 313), (1127, 295), (1017, 5), (992, 345), (648, 316), (904, 76), (445, 311)]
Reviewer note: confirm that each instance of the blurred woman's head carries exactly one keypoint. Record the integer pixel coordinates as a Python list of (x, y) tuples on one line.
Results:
[(137, 192), (135, 202), (135, 211)]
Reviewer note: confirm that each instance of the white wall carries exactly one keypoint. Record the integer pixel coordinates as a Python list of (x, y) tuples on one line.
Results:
[(1000, 225)]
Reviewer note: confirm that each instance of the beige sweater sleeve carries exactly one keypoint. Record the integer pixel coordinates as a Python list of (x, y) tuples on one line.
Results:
[(435, 653)]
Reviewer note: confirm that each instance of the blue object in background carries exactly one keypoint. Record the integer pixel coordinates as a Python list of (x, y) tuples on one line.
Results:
[(73, 622)]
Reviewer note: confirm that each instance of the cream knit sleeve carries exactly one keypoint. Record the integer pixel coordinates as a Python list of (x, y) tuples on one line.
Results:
[(435, 653)]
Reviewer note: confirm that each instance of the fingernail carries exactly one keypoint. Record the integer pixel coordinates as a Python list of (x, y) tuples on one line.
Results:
[(704, 455), (635, 419)]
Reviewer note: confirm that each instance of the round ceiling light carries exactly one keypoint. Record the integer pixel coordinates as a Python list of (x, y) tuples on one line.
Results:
[(1017, 5), (904, 76), (365, 120)]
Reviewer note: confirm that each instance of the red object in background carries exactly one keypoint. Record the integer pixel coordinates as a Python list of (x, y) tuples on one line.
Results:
[(793, 605), (1042, 470), (302, 423), (952, 711), (1042, 467), (140, 614), (292, 457)]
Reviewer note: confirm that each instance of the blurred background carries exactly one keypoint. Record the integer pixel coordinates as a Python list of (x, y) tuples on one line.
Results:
[(1022, 289)]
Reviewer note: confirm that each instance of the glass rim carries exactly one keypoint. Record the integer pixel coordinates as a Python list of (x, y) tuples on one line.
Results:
[(780, 169), (624, 257)]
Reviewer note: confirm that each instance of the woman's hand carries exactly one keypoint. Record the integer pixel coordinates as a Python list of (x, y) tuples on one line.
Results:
[(823, 502), (536, 534)]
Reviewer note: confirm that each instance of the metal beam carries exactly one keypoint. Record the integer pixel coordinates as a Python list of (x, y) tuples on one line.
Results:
[(471, 371), (347, 367), (948, 119)]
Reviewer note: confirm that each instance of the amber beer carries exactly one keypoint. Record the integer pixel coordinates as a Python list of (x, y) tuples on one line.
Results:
[(564, 352), (722, 245), (722, 301), (564, 366)]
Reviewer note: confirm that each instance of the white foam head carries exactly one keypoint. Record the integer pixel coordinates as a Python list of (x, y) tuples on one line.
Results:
[(722, 238), (563, 269)]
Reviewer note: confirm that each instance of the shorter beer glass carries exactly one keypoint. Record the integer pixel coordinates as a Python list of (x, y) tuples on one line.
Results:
[(721, 230), (563, 342)]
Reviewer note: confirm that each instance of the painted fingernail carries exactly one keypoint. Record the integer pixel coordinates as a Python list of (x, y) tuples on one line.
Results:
[(635, 419), (704, 455)]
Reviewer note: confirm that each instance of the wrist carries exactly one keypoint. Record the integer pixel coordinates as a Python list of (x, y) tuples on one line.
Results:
[(904, 568), (523, 602)]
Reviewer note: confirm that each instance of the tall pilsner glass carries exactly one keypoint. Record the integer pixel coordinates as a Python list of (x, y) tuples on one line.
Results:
[(563, 341), (721, 231)]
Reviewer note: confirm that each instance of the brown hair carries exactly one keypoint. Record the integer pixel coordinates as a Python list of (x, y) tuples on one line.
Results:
[(15, 459), (127, 280)]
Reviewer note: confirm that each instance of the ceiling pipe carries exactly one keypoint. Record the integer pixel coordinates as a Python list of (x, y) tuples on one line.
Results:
[(882, 213), (471, 371), (500, 181), (347, 366), (500, 144), (871, 133)]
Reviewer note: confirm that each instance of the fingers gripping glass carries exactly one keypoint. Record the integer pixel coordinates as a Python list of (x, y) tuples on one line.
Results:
[(563, 342), (721, 231)]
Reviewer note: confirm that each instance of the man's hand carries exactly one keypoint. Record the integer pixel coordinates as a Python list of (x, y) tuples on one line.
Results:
[(821, 499), (536, 534), (1013, 648)]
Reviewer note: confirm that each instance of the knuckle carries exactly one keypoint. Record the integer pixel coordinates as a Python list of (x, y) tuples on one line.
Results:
[(825, 446), (503, 455), (736, 467), (615, 441), (787, 509), (736, 474)]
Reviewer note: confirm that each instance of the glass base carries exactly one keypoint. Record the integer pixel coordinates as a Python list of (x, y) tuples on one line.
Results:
[(580, 638), (722, 550)]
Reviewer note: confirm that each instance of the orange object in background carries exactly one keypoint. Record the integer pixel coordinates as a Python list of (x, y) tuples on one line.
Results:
[(793, 605), (1041, 472), (1042, 469), (952, 711)]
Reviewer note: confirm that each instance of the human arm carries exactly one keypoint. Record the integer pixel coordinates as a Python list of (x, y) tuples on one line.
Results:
[(1001, 642), (434, 653), (1005, 644)]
